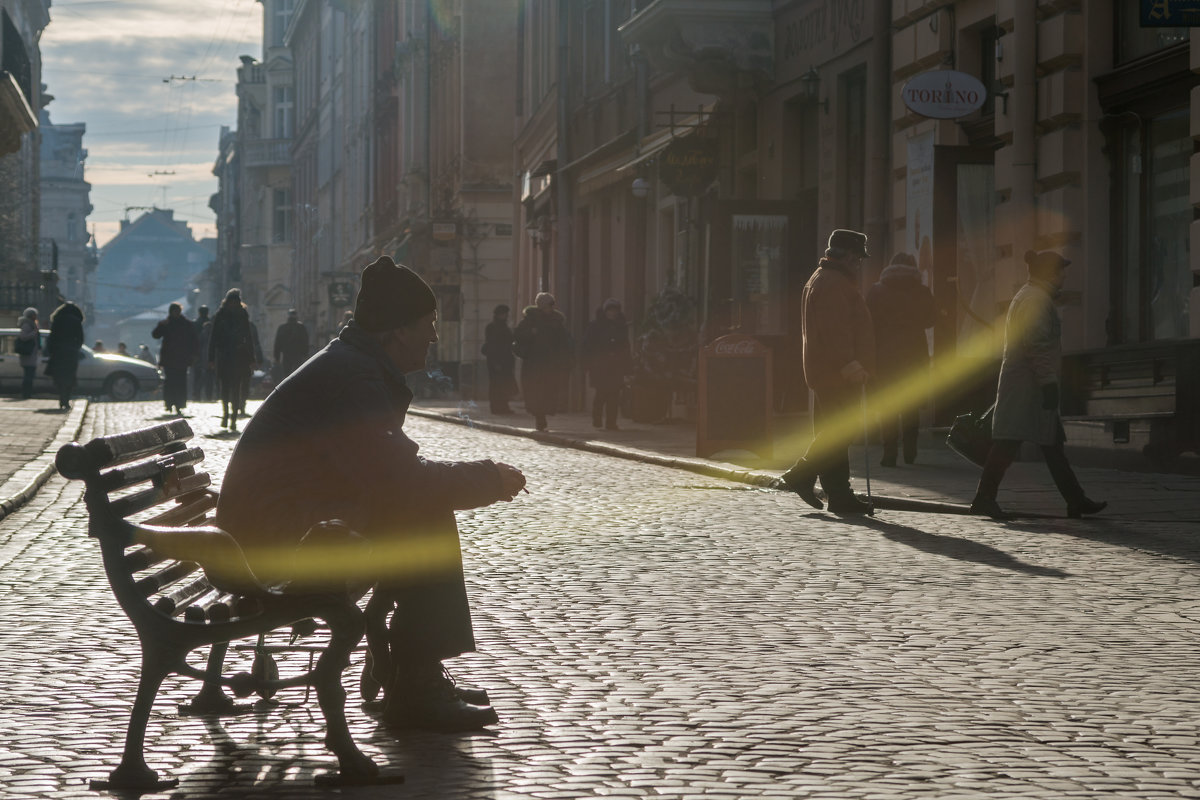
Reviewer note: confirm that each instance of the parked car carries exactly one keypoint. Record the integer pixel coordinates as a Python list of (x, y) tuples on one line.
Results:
[(100, 374)]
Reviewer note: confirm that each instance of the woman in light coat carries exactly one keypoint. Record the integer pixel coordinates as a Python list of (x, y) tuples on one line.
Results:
[(29, 361), (1028, 391)]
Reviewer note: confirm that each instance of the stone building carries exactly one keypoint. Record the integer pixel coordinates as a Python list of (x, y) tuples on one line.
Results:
[(67, 247), (21, 25)]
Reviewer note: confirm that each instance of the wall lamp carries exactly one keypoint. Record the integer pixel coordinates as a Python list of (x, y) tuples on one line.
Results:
[(640, 187), (810, 83)]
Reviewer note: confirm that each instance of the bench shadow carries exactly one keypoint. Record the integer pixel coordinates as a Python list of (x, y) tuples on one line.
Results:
[(438, 764), (953, 547)]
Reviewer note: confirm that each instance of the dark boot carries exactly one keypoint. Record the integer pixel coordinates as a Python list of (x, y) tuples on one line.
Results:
[(842, 500), (802, 479), (424, 697), (999, 458), (910, 445), (1078, 503), (1085, 506), (984, 506)]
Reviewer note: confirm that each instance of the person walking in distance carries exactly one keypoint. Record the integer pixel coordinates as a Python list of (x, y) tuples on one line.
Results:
[(607, 358), (29, 348), (1027, 393), (179, 349), (63, 344), (291, 345), (329, 444), (498, 352), (901, 310), (543, 344), (231, 354), (838, 355), (202, 378)]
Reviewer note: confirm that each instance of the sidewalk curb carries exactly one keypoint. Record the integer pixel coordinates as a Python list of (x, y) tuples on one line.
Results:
[(25, 483), (696, 465)]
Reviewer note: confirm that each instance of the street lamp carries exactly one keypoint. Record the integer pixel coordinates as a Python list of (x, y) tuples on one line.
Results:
[(810, 83)]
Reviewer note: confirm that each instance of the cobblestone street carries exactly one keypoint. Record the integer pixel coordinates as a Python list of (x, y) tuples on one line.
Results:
[(650, 632)]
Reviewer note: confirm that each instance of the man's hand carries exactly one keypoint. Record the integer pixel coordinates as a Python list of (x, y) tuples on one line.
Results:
[(854, 373), (511, 479)]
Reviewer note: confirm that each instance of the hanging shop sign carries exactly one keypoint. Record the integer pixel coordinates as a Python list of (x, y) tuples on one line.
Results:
[(340, 293), (689, 165), (944, 94), (1170, 13)]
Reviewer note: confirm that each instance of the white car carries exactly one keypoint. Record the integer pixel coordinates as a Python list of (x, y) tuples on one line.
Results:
[(100, 374)]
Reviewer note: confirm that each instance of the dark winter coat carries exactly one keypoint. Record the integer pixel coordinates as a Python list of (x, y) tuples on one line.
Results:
[(498, 351), (180, 344), (329, 443), (901, 310), (291, 345), (64, 343), (836, 329), (606, 354), (543, 343), (231, 343)]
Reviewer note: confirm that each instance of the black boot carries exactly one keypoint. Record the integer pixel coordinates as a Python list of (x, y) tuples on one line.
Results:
[(1084, 506), (849, 504), (802, 479), (842, 500), (984, 506), (424, 697)]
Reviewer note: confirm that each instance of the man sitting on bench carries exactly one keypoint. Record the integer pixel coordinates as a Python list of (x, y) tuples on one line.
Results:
[(328, 444)]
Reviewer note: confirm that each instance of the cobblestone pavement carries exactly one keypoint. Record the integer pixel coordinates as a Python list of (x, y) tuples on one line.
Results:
[(648, 632)]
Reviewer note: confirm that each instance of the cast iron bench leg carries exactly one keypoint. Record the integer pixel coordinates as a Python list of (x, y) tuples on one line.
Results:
[(132, 772)]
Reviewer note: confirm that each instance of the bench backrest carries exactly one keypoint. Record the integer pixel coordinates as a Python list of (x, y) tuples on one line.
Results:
[(148, 505)]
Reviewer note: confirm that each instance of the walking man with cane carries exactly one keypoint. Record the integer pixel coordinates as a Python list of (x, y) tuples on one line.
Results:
[(839, 358)]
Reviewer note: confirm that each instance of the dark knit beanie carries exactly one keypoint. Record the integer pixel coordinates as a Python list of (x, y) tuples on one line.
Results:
[(391, 297)]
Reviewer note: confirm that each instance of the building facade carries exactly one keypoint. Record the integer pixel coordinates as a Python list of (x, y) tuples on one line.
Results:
[(66, 246), (21, 98)]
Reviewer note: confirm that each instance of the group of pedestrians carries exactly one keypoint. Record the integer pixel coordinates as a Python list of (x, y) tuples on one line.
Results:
[(61, 348), (850, 342), (544, 344)]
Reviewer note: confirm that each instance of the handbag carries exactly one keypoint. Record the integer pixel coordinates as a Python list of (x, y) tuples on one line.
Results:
[(971, 435), (26, 347)]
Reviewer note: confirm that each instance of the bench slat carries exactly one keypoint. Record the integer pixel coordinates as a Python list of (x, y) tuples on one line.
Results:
[(148, 498), (142, 558), (166, 576), (80, 461), (214, 606), (130, 474), (191, 509), (176, 597)]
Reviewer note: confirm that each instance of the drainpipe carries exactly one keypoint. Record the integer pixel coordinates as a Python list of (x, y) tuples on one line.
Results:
[(878, 188), (1024, 162), (562, 237)]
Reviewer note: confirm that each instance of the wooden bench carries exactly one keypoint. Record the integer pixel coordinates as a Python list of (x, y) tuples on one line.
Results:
[(185, 584)]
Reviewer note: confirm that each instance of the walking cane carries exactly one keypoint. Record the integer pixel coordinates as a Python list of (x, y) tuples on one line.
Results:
[(866, 448)]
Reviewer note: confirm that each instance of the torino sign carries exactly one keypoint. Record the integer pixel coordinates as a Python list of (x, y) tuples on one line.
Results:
[(943, 94)]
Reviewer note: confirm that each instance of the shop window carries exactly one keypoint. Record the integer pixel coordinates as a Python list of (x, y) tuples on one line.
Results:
[(758, 257), (1133, 41), (1152, 279), (282, 231)]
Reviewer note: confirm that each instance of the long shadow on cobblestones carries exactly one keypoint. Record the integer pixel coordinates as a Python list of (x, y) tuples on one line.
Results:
[(954, 547), (1173, 540)]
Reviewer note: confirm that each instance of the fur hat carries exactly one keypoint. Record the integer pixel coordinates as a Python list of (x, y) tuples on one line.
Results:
[(846, 244), (904, 258), (391, 297)]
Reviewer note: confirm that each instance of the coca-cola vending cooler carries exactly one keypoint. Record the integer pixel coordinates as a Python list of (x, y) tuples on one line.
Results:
[(734, 406)]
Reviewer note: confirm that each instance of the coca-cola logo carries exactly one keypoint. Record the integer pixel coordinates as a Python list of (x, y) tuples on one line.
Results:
[(742, 347)]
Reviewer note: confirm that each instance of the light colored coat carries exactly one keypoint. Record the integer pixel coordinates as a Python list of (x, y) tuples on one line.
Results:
[(1032, 359), (29, 330)]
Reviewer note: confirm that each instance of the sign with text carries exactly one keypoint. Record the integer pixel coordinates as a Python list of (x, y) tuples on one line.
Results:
[(689, 166), (1170, 13), (340, 294), (943, 94), (734, 402)]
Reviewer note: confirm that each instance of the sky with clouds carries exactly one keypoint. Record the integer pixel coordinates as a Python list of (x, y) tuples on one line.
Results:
[(154, 81)]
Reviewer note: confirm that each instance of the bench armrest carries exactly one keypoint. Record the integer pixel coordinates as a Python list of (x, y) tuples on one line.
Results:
[(213, 549)]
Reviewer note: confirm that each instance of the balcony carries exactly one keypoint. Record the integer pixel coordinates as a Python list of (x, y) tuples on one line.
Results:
[(267, 153), (716, 43)]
